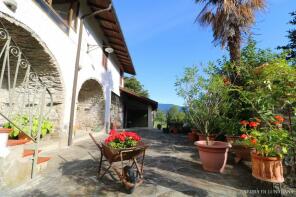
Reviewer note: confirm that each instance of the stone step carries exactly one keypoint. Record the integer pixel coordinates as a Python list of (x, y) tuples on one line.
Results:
[(42, 160), (29, 152), (17, 142)]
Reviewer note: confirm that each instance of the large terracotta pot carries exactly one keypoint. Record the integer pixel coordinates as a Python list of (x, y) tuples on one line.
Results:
[(214, 155), (242, 152), (267, 168)]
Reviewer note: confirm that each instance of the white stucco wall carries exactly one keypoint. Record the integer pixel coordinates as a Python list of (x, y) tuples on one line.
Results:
[(63, 48)]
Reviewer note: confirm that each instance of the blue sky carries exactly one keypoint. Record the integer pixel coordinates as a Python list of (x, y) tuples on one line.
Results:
[(163, 39)]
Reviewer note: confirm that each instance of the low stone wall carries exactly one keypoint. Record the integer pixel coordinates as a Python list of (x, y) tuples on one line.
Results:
[(14, 169)]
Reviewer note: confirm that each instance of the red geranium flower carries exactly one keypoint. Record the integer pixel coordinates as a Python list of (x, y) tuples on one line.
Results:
[(244, 122), (279, 118), (243, 136), (253, 124), (276, 122), (112, 132), (253, 141)]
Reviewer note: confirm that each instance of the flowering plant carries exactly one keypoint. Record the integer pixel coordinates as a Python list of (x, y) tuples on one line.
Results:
[(124, 139), (268, 141)]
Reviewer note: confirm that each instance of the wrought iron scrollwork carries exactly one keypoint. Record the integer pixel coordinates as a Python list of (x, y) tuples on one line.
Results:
[(21, 88)]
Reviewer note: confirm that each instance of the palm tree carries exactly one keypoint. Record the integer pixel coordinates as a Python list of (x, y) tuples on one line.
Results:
[(230, 19)]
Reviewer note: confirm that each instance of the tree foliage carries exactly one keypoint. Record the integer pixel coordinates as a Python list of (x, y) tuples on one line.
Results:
[(174, 116), (160, 117), (204, 96), (291, 46), (229, 20), (132, 84)]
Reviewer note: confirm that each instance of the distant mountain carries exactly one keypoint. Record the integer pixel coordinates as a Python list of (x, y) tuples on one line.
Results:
[(166, 107)]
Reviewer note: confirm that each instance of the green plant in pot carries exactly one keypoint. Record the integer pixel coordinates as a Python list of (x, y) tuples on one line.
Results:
[(270, 91), (29, 126), (271, 143), (205, 98)]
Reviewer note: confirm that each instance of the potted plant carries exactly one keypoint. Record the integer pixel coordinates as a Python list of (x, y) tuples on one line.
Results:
[(271, 144), (204, 98), (232, 129), (175, 119), (241, 150), (192, 136), (29, 129)]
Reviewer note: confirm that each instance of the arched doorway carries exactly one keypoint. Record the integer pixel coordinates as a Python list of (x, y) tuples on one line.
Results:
[(42, 67), (90, 108)]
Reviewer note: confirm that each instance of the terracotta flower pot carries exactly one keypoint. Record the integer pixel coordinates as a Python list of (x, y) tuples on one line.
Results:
[(242, 152), (214, 155), (267, 168), (232, 138), (23, 136), (174, 130), (192, 137), (21, 139)]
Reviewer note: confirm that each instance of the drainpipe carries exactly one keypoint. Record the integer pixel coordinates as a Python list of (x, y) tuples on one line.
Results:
[(74, 90)]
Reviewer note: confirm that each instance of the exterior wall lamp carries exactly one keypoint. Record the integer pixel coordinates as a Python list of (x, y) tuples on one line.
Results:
[(109, 50), (91, 47)]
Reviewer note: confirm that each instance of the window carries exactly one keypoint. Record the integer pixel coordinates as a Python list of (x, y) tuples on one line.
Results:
[(67, 10), (121, 79)]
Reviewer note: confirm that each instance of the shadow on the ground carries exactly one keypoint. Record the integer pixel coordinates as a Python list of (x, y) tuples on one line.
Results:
[(39, 193), (84, 173), (237, 177)]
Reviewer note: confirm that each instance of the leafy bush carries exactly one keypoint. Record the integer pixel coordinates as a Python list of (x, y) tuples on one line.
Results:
[(160, 118), (205, 98), (174, 116), (268, 139), (24, 123)]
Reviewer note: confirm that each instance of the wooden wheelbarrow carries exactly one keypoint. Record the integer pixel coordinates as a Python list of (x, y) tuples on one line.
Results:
[(131, 176)]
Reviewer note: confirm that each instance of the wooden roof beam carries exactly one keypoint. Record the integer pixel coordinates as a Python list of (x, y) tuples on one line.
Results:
[(118, 49), (110, 29), (106, 20), (122, 55)]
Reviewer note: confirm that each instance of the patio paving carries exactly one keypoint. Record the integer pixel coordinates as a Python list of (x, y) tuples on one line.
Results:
[(172, 168)]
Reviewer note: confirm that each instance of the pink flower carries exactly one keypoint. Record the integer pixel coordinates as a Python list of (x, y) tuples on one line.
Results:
[(243, 136), (244, 122)]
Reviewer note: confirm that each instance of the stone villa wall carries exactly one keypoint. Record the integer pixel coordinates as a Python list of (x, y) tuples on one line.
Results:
[(90, 107), (42, 63), (116, 111)]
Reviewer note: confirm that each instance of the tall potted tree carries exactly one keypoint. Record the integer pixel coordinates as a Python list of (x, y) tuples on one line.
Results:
[(204, 97)]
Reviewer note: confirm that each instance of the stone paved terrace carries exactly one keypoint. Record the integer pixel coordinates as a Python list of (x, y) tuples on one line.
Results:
[(172, 169)]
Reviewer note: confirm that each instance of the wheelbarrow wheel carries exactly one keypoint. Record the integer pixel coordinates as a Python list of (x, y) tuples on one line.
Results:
[(131, 190), (132, 177)]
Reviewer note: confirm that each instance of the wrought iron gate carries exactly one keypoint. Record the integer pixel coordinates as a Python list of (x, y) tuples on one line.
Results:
[(22, 92)]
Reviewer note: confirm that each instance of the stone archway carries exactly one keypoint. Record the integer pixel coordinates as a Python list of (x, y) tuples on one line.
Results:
[(90, 111), (42, 63)]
